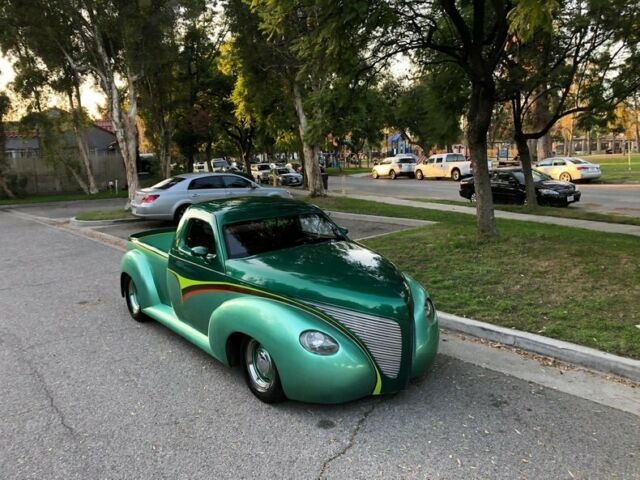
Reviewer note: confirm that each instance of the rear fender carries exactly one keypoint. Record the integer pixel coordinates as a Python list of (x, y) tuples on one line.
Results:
[(135, 265), (345, 375)]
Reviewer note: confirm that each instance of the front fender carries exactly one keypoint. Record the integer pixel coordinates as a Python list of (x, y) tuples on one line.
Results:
[(343, 376), (427, 333), (135, 264)]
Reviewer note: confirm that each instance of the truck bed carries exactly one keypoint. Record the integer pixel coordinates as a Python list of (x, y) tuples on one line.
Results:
[(160, 239)]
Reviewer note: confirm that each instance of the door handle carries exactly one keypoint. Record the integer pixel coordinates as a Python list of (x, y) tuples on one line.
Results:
[(193, 195)]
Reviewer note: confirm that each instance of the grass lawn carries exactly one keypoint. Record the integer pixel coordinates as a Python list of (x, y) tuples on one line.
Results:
[(571, 284), (116, 214), (62, 198), (615, 168), (570, 212), (332, 171)]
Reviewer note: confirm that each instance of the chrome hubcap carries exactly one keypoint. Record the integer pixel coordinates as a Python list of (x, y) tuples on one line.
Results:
[(259, 366), (133, 298)]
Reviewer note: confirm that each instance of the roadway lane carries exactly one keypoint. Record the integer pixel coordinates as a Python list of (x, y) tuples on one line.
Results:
[(623, 199), (88, 393)]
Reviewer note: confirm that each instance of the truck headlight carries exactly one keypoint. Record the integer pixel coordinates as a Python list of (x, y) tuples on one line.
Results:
[(429, 311), (318, 343)]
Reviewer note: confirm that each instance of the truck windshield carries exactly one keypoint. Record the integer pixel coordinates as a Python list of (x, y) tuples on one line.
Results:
[(254, 237)]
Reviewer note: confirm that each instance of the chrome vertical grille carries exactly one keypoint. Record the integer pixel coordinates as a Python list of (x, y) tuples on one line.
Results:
[(381, 336)]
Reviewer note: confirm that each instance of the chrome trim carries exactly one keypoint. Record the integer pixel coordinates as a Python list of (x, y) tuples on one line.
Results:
[(382, 336)]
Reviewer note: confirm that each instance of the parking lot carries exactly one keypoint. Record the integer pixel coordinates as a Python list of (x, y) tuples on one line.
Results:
[(91, 394)]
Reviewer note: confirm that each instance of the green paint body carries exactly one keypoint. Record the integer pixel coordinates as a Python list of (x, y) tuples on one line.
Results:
[(271, 297)]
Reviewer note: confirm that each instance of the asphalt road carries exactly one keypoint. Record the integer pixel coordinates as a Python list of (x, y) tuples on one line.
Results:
[(88, 393), (623, 199)]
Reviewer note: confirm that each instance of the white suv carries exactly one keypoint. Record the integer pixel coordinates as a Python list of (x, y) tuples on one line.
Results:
[(444, 165), (261, 172), (394, 167)]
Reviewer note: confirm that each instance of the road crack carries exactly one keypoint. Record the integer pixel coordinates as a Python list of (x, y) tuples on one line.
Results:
[(43, 384), (350, 442)]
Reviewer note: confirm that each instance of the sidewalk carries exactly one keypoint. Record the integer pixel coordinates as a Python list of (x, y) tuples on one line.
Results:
[(565, 222)]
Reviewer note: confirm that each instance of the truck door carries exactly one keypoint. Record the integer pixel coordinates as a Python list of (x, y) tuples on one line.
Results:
[(193, 277)]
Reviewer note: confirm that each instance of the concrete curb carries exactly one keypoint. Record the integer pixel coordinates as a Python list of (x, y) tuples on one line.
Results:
[(74, 222), (549, 347)]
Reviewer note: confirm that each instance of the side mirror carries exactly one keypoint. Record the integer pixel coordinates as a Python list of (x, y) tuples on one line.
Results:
[(253, 186), (200, 251)]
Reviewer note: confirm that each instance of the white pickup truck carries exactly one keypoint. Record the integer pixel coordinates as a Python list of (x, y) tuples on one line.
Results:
[(445, 165)]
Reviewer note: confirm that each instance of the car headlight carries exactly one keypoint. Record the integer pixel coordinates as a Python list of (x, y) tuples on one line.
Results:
[(429, 310), (318, 343), (546, 191)]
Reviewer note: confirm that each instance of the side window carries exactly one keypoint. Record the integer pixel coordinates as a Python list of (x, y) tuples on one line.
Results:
[(545, 163), (430, 160), (438, 160), (558, 162), (203, 183), (199, 234), (231, 181)]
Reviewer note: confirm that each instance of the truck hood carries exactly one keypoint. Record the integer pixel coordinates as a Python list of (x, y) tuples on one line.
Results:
[(340, 273)]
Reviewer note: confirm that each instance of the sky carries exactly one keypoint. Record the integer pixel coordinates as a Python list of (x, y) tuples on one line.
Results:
[(91, 97)]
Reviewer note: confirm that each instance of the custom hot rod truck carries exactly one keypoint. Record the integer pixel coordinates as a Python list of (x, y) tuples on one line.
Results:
[(274, 285)]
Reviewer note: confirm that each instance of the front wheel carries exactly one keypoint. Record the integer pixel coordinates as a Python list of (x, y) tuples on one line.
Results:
[(419, 174), (473, 198), (392, 174), (374, 174), (565, 177), (260, 372)]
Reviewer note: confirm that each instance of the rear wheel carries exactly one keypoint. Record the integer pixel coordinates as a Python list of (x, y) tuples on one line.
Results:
[(455, 174), (565, 177), (260, 372), (180, 212), (133, 302), (419, 174), (392, 174)]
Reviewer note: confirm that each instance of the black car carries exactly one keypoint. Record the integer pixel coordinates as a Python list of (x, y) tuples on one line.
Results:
[(507, 186)]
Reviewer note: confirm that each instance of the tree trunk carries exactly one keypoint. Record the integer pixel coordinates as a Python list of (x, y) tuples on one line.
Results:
[(78, 178), (525, 160), (81, 139), (481, 104), (311, 167), (165, 150), (3, 161)]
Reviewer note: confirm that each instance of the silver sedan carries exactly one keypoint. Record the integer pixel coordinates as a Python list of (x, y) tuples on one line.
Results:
[(169, 199)]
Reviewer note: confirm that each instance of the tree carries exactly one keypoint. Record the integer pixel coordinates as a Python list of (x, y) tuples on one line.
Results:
[(581, 66), (33, 39), (5, 106)]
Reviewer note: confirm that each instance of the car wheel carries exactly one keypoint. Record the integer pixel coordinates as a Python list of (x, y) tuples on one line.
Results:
[(565, 177), (455, 175), (133, 303), (392, 174), (374, 174), (261, 373), (180, 212), (419, 174), (473, 198)]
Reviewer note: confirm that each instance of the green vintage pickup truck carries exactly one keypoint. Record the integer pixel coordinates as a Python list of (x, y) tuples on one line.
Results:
[(274, 285)]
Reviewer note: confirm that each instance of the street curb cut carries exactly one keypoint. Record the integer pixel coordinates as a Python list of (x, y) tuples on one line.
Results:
[(74, 222), (549, 347)]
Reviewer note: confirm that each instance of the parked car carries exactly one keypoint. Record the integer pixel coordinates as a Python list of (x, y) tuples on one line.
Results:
[(395, 166), (261, 172), (274, 285), (445, 165), (215, 165), (169, 199), (569, 169), (507, 186), (286, 177)]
